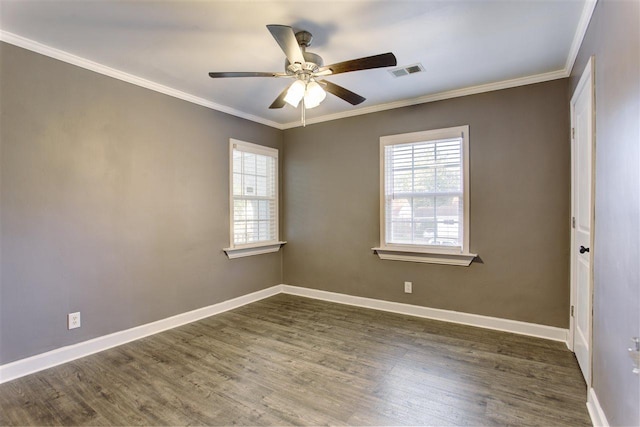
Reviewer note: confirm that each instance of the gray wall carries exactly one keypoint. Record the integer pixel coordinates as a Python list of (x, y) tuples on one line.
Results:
[(114, 202), (520, 206), (613, 37)]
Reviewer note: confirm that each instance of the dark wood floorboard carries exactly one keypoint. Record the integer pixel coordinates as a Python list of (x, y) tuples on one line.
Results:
[(288, 360)]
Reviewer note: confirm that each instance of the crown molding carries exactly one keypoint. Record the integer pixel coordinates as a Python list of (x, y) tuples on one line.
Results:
[(69, 58), (581, 31)]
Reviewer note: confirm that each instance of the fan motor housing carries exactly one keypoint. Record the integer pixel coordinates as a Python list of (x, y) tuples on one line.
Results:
[(313, 62)]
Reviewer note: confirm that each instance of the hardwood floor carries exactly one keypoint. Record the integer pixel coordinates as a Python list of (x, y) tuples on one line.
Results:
[(290, 360)]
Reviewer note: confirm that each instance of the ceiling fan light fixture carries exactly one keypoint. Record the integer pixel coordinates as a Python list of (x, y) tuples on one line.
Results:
[(305, 67), (314, 95), (295, 93)]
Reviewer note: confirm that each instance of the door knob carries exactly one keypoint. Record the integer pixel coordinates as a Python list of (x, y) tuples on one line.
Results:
[(583, 249)]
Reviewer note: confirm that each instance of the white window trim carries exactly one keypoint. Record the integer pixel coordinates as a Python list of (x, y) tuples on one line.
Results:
[(424, 253), (257, 248)]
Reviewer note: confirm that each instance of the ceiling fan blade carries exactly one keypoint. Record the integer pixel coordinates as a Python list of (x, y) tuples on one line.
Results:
[(245, 74), (279, 101), (351, 97), (367, 63), (286, 38)]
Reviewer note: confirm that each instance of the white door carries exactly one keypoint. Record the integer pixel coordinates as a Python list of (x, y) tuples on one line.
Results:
[(582, 222)]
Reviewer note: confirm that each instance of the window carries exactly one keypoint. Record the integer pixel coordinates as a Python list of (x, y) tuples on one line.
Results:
[(424, 197), (253, 199)]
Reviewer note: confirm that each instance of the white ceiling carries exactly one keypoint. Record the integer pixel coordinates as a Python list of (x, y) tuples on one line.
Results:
[(172, 45)]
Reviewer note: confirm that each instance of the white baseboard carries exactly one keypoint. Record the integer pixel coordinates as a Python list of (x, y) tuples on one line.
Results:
[(495, 323), (596, 413), (39, 362), (36, 363)]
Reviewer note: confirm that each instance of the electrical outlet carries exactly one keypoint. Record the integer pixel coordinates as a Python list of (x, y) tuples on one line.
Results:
[(73, 320), (408, 287)]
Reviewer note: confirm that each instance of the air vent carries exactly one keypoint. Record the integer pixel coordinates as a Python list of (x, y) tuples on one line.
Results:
[(406, 70)]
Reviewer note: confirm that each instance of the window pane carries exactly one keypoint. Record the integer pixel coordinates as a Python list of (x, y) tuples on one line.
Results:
[(424, 154), (423, 187), (400, 232), (402, 181), (400, 209), (449, 179), (424, 179), (254, 192), (252, 210), (252, 231), (239, 210), (425, 220), (448, 221), (264, 230), (261, 185), (239, 232), (263, 207), (261, 165), (249, 163), (249, 185), (237, 184), (422, 232)]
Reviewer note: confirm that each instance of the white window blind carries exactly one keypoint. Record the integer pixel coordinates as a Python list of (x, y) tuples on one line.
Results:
[(424, 193), (254, 195)]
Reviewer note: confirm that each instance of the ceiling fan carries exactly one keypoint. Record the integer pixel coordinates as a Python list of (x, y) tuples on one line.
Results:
[(308, 70)]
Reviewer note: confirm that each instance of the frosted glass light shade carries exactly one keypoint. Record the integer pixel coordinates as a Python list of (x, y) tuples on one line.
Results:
[(314, 95), (295, 93)]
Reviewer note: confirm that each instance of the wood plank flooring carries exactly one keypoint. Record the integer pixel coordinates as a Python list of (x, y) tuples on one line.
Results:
[(288, 360)]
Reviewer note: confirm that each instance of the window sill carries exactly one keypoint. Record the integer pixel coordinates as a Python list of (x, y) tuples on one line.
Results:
[(250, 250), (425, 255)]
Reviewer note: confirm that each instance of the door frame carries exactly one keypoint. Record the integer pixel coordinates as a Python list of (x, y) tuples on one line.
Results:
[(587, 78)]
